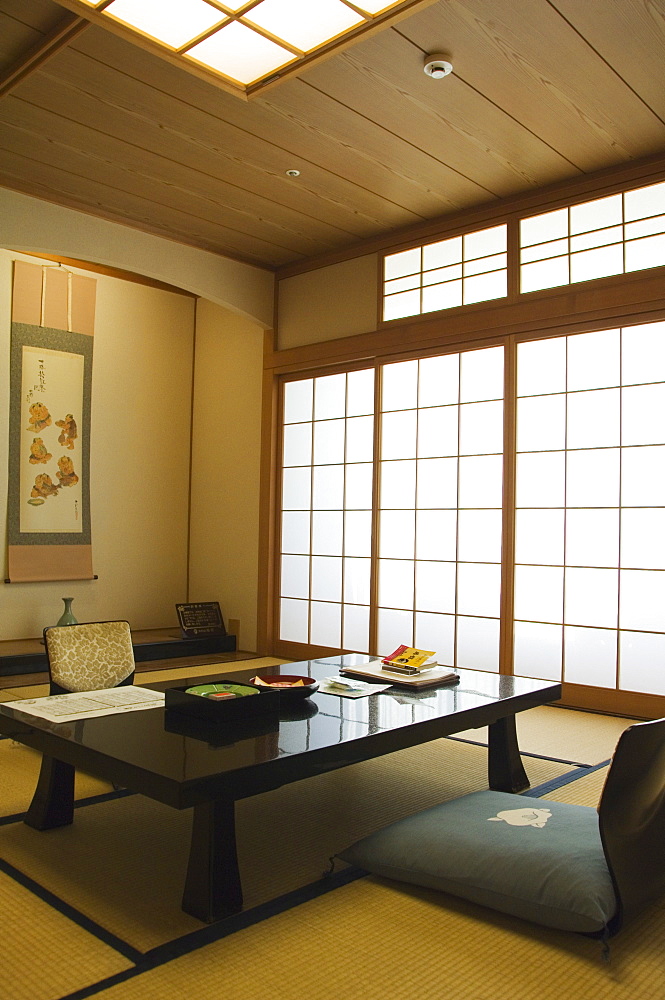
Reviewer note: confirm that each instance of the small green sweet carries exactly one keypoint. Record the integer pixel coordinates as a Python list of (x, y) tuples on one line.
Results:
[(239, 690)]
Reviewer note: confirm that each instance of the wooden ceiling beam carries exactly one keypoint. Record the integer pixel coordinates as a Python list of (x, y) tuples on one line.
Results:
[(35, 57)]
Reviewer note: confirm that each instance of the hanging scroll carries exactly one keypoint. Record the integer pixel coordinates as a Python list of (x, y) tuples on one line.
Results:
[(49, 426)]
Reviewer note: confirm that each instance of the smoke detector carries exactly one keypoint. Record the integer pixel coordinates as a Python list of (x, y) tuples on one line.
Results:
[(437, 65)]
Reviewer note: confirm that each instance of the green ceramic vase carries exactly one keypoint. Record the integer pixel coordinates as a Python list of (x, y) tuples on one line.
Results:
[(67, 618)]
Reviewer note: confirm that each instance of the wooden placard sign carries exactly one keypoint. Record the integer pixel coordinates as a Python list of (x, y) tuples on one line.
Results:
[(201, 618)]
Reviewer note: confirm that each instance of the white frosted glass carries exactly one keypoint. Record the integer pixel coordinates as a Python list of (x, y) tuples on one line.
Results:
[(326, 624), (328, 487), (441, 275), (295, 531), (643, 476), (541, 479), (481, 429), (293, 620), (484, 242), (358, 533), (592, 538), (358, 486), (643, 353), (327, 532), (298, 400), (398, 485), (293, 21), (593, 360), (592, 478), (590, 264), (438, 380), (437, 431), (444, 296), (405, 262), (541, 423), (593, 418), (403, 304), (597, 238), (171, 23), (644, 253), (397, 534), (329, 442), (642, 600), (643, 539), (435, 586), (539, 593), (396, 584), (296, 488), (355, 623), (478, 589), (436, 632), (479, 536), (548, 226), (645, 227), (538, 650), (642, 656), (326, 578), (394, 629), (436, 534), (541, 367), (644, 201), (481, 375), (543, 251), (590, 656), (544, 274), (478, 643), (481, 481), (643, 415), (297, 445), (240, 53), (295, 576), (357, 581), (329, 396), (399, 386), (596, 214), (398, 434), (539, 537), (359, 439), (591, 597), (443, 253), (402, 284), (360, 392), (437, 482), (485, 286), (481, 265)]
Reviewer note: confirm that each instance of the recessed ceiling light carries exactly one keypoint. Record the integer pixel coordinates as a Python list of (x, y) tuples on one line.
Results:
[(293, 173)]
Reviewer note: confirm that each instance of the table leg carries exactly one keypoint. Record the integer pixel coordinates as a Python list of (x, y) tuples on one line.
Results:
[(212, 886), (53, 802), (505, 769)]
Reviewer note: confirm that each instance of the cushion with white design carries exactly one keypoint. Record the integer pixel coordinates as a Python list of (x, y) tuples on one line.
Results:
[(532, 858)]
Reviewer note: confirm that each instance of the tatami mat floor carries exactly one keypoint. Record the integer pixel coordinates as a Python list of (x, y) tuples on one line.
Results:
[(94, 909)]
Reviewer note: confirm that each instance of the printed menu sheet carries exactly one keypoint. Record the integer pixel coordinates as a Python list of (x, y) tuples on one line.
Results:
[(88, 704)]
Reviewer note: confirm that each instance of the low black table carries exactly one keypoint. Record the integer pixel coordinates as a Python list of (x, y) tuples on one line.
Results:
[(187, 763)]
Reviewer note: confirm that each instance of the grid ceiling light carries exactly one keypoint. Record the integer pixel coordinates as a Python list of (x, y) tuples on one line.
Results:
[(243, 45)]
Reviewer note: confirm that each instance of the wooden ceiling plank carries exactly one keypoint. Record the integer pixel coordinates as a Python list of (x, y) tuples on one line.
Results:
[(305, 142), (64, 187), (37, 55), (41, 137), (165, 126), (607, 27), (526, 59), (461, 129)]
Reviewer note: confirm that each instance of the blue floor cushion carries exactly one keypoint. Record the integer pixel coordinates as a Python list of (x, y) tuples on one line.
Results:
[(532, 858)]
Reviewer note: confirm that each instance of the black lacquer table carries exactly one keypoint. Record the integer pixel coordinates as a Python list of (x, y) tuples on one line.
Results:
[(188, 763)]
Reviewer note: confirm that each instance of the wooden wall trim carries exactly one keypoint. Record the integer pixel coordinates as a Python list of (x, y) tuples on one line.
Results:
[(110, 272)]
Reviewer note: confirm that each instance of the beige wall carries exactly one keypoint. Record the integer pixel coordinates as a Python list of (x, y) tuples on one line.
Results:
[(140, 442), (335, 301), (226, 465)]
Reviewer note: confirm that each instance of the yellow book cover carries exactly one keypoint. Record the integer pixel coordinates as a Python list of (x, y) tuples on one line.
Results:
[(408, 656)]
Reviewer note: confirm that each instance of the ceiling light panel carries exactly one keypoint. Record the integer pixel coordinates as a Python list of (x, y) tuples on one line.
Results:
[(240, 53), (302, 23), (169, 21), (374, 6)]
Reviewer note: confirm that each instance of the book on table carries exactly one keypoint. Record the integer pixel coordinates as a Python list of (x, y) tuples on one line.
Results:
[(428, 675)]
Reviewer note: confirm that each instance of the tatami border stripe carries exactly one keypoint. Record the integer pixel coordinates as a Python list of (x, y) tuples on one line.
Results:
[(564, 779), (122, 947), (523, 753), (91, 800)]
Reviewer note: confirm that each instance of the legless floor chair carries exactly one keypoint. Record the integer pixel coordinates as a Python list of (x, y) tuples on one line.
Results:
[(565, 866), (84, 657)]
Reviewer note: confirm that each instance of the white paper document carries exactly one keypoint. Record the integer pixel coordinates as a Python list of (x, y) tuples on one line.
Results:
[(347, 687), (88, 704)]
